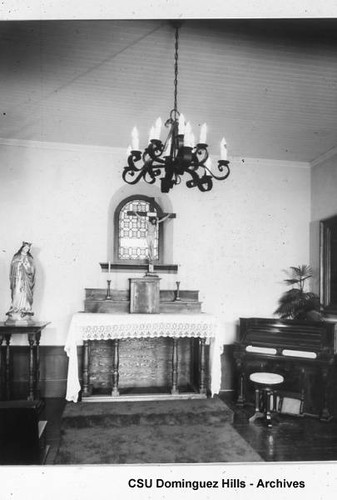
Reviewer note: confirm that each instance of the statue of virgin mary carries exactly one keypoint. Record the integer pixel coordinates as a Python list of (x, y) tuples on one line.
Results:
[(22, 280)]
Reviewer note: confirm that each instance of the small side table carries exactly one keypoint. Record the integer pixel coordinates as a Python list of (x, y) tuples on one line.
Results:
[(33, 331)]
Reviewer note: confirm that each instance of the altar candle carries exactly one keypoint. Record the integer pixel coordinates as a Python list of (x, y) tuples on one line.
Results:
[(128, 151), (203, 133), (109, 268), (223, 149), (135, 139)]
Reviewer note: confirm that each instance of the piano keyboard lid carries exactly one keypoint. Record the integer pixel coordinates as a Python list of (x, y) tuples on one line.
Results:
[(284, 352)]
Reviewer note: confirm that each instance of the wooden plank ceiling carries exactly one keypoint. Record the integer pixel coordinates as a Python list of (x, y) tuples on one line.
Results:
[(268, 86)]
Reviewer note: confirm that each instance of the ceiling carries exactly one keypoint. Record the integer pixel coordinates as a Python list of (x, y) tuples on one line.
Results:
[(268, 86)]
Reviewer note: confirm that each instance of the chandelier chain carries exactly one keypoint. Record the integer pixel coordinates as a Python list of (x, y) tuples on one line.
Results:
[(176, 74)]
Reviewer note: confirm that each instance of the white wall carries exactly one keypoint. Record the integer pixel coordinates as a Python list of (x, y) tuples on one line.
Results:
[(231, 243)]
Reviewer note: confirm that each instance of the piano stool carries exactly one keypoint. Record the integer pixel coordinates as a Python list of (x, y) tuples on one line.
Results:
[(264, 383)]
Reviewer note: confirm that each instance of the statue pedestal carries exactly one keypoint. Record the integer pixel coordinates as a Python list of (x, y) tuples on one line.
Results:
[(15, 318), (144, 295)]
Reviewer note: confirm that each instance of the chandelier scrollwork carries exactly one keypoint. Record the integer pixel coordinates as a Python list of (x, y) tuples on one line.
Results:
[(168, 161)]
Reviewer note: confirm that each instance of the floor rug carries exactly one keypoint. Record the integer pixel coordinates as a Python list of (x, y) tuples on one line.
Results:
[(189, 431)]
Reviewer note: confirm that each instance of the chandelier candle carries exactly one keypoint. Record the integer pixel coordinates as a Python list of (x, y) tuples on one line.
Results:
[(203, 133), (135, 139), (223, 149), (157, 129), (181, 124), (169, 160)]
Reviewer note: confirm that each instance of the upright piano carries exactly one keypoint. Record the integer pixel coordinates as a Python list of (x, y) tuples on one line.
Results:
[(302, 351)]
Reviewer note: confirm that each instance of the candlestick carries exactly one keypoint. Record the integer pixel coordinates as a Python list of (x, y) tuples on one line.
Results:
[(177, 292), (108, 291)]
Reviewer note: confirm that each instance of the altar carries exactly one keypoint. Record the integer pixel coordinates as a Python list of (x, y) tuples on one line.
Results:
[(87, 327)]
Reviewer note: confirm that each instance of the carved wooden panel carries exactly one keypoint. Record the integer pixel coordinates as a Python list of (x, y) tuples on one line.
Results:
[(143, 363)]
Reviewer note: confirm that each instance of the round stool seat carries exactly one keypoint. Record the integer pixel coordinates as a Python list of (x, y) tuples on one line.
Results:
[(264, 394), (266, 378)]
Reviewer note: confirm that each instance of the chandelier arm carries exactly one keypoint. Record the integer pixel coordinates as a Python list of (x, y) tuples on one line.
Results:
[(129, 175), (222, 164), (203, 183), (145, 172), (196, 179), (154, 149), (200, 155), (133, 174), (206, 185), (151, 172), (149, 180)]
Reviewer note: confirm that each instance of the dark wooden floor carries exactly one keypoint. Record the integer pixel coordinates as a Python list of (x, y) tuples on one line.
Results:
[(292, 438)]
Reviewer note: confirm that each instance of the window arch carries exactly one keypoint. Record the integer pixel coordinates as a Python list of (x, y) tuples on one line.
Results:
[(130, 230)]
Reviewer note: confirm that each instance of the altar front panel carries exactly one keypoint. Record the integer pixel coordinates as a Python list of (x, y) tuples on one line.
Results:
[(143, 363)]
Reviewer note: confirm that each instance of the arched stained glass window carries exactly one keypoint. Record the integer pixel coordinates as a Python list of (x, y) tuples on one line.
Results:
[(131, 223)]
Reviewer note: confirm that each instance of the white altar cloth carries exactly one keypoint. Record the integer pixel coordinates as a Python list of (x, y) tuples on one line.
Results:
[(101, 326)]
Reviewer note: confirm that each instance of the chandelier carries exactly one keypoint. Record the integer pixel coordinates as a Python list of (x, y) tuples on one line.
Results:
[(168, 161)]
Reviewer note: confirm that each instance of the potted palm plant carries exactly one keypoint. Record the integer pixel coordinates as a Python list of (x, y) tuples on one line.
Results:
[(297, 303)]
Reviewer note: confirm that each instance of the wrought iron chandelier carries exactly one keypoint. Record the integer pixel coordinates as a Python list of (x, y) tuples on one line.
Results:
[(178, 155)]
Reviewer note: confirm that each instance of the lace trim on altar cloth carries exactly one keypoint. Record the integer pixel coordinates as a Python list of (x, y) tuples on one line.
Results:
[(175, 330)]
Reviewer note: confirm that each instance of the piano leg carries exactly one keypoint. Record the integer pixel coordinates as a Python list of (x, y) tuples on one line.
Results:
[(242, 383), (325, 415)]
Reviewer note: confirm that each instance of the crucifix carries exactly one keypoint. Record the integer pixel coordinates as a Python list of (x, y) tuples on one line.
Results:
[(152, 225)]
